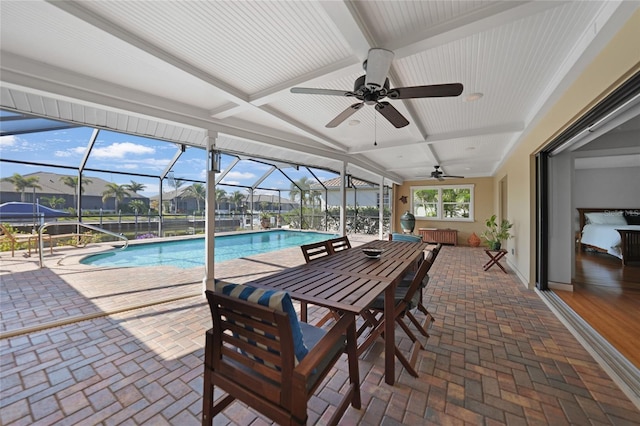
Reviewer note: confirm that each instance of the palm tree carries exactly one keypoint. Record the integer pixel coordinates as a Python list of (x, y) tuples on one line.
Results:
[(175, 183), (21, 183), (237, 198), (314, 196), (221, 197), (54, 201), (118, 192), (72, 181), (135, 187), (199, 192), (138, 206), (300, 188)]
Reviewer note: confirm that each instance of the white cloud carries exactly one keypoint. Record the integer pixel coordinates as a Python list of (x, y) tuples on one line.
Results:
[(7, 141), (239, 175), (150, 190), (71, 152), (154, 163), (121, 150), (127, 166)]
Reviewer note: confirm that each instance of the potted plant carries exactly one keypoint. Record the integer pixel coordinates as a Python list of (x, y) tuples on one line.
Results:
[(265, 220), (496, 232)]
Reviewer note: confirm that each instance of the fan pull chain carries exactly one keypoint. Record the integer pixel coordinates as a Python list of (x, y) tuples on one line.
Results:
[(375, 128)]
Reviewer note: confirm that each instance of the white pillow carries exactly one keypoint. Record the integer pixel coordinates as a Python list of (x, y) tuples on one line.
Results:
[(606, 218)]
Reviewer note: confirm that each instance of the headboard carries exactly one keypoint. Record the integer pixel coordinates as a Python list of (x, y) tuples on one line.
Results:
[(582, 211)]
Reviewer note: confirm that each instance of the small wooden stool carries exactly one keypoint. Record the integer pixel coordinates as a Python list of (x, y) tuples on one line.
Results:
[(495, 259)]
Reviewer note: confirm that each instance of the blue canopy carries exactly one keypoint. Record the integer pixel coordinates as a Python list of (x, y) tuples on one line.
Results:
[(16, 209)]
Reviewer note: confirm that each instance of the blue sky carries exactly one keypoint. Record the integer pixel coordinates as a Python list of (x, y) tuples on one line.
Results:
[(130, 154)]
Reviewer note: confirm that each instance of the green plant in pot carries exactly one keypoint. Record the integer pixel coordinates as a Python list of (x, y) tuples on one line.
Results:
[(265, 220), (496, 232)]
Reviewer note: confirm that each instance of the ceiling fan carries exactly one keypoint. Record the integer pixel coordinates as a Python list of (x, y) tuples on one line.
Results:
[(438, 174), (374, 85)]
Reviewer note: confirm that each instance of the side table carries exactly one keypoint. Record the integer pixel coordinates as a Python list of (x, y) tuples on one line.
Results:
[(495, 256)]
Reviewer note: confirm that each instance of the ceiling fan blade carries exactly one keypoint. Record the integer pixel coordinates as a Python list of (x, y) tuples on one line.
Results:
[(453, 177), (344, 115), (393, 115), (432, 91), (330, 92), (377, 67)]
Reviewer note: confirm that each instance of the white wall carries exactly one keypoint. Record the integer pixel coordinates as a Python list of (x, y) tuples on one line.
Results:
[(610, 187)]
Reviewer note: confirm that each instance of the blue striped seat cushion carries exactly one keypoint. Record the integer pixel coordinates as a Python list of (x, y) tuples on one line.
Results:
[(274, 299), (406, 237)]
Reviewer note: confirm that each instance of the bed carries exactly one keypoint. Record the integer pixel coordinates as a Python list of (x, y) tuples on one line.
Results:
[(615, 231)]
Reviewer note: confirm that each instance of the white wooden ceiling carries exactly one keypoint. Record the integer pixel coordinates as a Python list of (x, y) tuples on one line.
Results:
[(175, 69)]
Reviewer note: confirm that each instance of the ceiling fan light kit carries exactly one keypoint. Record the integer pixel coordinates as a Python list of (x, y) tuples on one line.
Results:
[(377, 67), (473, 97), (373, 86)]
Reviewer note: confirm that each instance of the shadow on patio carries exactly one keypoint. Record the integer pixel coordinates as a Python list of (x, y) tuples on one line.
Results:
[(497, 354)]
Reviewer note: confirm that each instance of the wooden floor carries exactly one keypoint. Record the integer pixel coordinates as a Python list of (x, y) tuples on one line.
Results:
[(607, 296)]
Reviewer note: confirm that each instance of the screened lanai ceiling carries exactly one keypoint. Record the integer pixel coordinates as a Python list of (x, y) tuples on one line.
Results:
[(184, 71)]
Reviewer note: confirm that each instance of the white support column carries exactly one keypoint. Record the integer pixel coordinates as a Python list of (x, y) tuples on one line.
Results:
[(343, 199), (381, 209), (210, 214)]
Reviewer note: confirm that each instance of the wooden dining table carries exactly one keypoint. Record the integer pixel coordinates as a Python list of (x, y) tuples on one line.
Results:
[(349, 281)]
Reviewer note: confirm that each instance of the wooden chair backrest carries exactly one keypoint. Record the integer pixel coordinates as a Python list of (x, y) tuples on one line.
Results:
[(436, 250), (416, 283), (339, 244), (5, 234), (315, 251), (252, 347), (250, 355)]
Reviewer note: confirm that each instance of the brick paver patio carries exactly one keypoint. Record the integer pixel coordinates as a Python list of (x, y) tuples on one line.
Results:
[(497, 354)]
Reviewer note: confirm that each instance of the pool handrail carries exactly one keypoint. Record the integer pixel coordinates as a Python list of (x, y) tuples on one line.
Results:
[(94, 228)]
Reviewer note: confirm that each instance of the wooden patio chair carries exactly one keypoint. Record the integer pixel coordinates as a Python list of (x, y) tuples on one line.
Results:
[(15, 239), (253, 353), (339, 244), (430, 253), (313, 252), (406, 299), (406, 282)]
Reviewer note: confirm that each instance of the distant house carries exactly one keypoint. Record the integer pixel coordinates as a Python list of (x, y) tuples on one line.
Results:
[(270, 203), (51, 185), (178, 201), (187, 204), (363, 194)]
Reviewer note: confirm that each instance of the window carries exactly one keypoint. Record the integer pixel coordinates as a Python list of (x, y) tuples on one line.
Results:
[(446, 202)]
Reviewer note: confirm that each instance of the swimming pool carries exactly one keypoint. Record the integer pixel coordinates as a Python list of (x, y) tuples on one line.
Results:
[(190, 253)]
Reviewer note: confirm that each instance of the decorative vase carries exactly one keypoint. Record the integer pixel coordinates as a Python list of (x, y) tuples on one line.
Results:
[(474, 240), (408, 222), (495, 245)]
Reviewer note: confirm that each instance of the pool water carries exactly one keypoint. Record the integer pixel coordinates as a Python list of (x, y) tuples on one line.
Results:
[(190, 253)]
